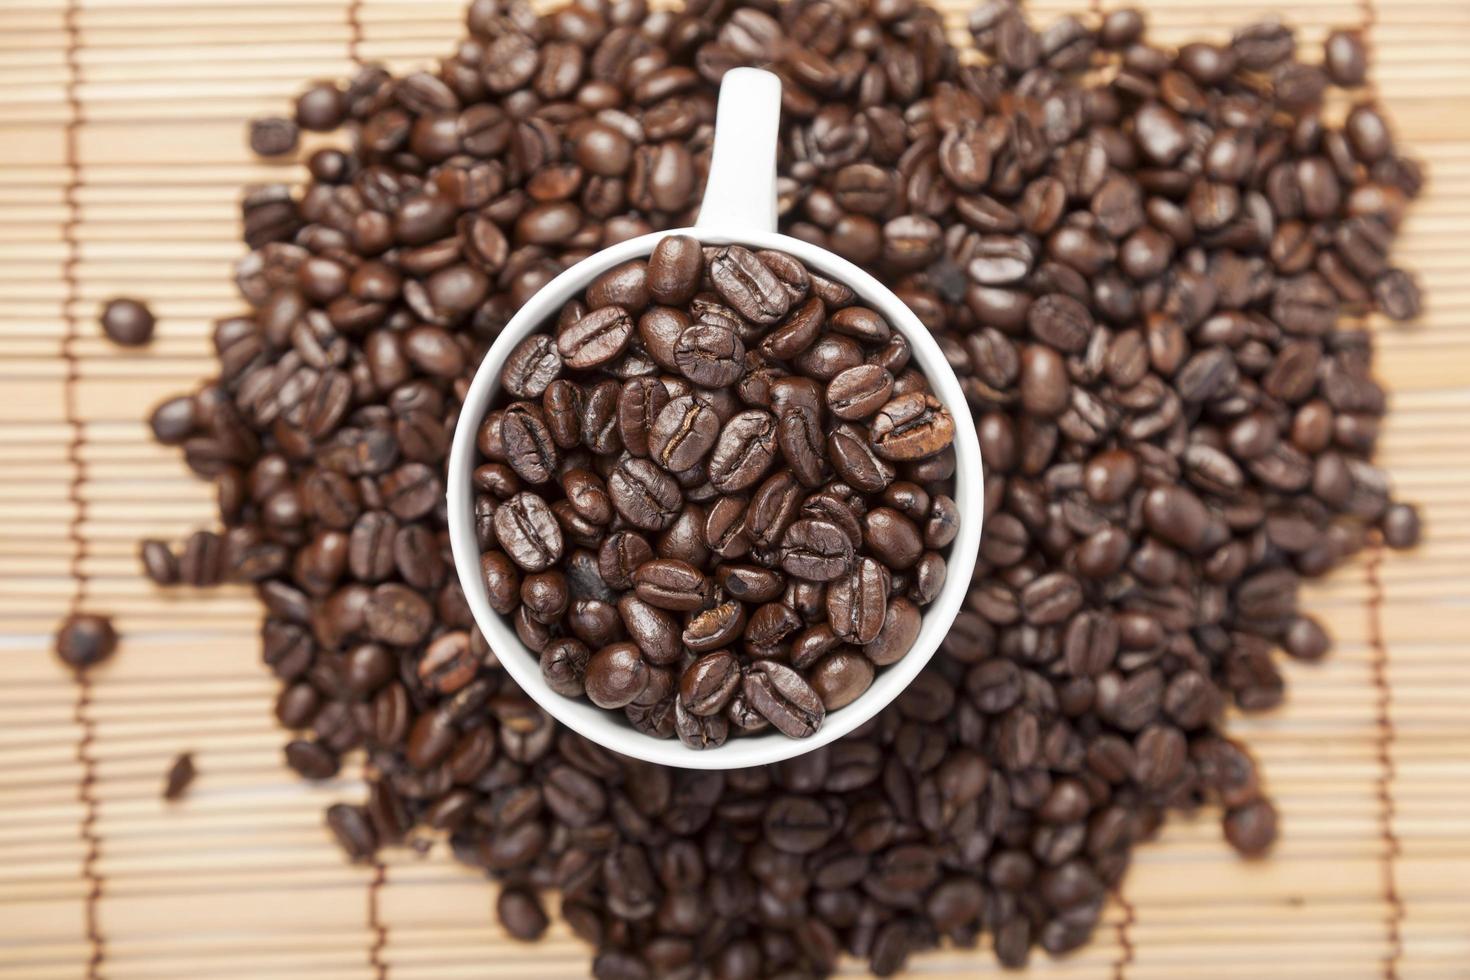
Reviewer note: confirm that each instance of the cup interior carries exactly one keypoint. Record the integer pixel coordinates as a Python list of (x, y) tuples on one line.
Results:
[(610, 729)]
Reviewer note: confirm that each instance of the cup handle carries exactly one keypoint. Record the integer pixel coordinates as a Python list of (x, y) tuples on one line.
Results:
[(740, 194)]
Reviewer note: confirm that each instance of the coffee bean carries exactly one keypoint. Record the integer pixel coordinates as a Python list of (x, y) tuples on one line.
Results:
[(670, 584), (312, 760), (684, 431), (533, 365), (398, 615), (856, 602), (520, 913), (748, 285), (529, 447), (715, 627), (707, 685), (840, 678), (273, 136), (816, 550), (896, 636), (743, 452), (857, 462), (912, 426), (595, 338), (159, 562), (1345, 58), (780, 695), (674, 270), (528, 532), (859, 392), (654, 630), (85, 640), (1401, 526), (643, 494), (616, 675), (127, 322), (1251, 828), (799, 437), (181, 774), (710, 355)]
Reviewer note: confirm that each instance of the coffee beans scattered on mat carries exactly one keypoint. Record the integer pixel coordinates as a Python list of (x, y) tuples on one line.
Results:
[(715, 497), (1139, 261)]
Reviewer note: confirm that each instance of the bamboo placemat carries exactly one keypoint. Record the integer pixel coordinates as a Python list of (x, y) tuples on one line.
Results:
[(121, 155)]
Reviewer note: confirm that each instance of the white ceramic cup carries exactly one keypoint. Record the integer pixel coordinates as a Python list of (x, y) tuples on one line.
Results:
[(739, 207)]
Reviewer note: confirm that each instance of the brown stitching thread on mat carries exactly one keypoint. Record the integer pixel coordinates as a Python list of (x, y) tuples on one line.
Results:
[(1370, 21), (1392, 899), (1126, 949), (354, 30), (375, 923), (376, 926), (86, 786)]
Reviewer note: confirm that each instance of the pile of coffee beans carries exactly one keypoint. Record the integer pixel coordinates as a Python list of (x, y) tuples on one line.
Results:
[(1140, 262), (715, 496)]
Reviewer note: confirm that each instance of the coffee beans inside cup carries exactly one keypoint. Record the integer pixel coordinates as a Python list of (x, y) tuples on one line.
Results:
[(715, 496)]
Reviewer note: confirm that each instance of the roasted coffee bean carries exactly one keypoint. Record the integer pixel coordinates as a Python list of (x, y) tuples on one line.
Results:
[(564, 666), (530, 535), (644, 495), (616, 675), (398, 615), (159, 562), (800, 331), (654, 630), (780, 695), (748, 285), (897, 635), (859, 392), (127, 322), (911, 427), (816, 550), (639, 403), (707, 685), (857, 462), (710, 355), (180, 777), (85, 640), (714, 627), (273, 136), (857, 602), (744, 451), (670, 584), (595, 338), (683, 433), (699, 731), (529, 447), (620, 556), (312, 760), (841, 678), (674, 270), (533, 365)]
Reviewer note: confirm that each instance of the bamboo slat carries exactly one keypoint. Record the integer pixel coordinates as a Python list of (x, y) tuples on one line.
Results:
[(112, 181)]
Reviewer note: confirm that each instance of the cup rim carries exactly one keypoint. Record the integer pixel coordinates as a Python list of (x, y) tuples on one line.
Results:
[(604, 727)]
